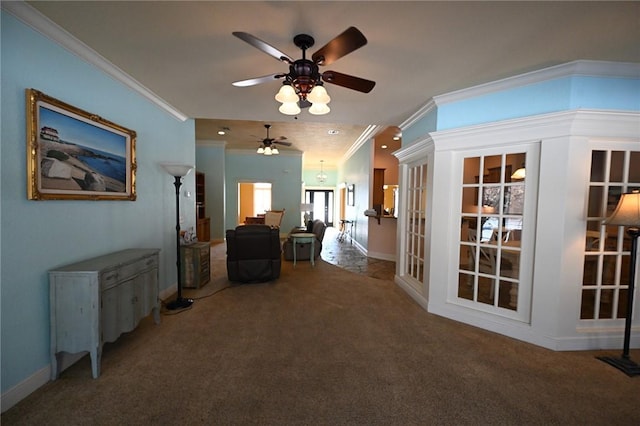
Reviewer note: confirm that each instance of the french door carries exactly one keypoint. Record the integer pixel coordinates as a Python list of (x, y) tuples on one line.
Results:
[(322, 201)]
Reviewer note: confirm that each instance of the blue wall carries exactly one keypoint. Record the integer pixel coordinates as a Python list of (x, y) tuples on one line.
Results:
[(311, 181), (284, 172), (358, 171), (561, 94), (210, 161), (37, 236)]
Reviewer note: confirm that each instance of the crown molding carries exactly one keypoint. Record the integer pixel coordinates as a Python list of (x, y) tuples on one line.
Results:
[(575, 68), (36, 20), (211, 143), (418, 149), (364, 137), (579, 67), (420, 113)]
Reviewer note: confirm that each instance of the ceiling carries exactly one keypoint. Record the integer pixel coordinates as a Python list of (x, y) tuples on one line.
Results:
[(185, 53)]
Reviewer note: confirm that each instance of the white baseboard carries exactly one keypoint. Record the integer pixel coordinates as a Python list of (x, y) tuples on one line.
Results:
[(23, 389)]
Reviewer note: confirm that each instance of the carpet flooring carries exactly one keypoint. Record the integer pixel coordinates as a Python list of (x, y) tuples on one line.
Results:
[(325, 346)]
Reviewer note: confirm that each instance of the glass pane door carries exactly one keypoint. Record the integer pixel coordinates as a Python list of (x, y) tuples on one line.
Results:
[(322, 201)]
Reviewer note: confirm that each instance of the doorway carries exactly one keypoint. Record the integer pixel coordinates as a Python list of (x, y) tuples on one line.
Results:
[(254, 198), (322, 201)]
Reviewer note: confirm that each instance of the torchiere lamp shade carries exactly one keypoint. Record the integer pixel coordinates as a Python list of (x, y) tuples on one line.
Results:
[(176, 169)]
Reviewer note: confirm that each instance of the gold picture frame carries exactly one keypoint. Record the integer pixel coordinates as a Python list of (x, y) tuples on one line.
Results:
[(76, 155)]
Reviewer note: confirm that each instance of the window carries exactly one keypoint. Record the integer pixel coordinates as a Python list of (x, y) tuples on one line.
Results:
[(491, 211), (605, 276), (261, 198), (416, 193)]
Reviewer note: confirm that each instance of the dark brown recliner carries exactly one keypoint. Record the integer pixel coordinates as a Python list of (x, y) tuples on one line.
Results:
[(254, 253)]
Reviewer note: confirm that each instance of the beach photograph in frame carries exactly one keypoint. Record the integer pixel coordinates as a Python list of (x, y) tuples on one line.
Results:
[(75, 155)]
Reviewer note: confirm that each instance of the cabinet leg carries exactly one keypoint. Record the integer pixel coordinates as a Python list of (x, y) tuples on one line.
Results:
[(55, 362), (156, 314), (96, 357)]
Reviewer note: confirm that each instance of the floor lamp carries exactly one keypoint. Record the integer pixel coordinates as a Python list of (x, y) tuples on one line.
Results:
[(627, 213), (178, 171)]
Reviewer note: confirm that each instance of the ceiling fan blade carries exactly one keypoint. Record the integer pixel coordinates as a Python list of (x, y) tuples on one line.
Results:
[(257, 80), (282, 143), (350, 40), (264, 46), (348, 81)]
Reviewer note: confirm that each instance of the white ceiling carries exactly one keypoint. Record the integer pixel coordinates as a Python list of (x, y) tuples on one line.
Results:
[(184, 52)]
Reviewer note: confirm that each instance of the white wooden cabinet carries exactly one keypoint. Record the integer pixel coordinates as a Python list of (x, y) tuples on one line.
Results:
[(94, 301)]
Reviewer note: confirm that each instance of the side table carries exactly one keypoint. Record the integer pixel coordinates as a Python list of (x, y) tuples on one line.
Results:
[(304, 237), (196, 268)]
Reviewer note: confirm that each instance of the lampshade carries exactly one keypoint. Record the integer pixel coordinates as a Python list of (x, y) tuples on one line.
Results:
[(319, 94), (275, 151), (176, 169), (260, 150), (267, 151), (627, 212), (306, 207), (319, 109), (518, 174), (289, 108), (286, 94)]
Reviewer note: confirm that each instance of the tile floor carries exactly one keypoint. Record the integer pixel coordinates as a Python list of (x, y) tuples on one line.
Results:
[(347, 256)]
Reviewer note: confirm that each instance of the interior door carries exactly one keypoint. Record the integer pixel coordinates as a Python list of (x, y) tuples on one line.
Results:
[(322, 201)]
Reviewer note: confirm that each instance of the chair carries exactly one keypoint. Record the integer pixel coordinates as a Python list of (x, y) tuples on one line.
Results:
[(487, 255), (273, 217), (254, 253), (303, 251)]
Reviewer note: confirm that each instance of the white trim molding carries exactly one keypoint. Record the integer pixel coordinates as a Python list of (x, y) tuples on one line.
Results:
[(581, 67), (36, 20), (366, 135)]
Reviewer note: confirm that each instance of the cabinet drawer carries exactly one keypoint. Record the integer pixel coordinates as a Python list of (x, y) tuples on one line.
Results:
[(131, 270), (109, 279)]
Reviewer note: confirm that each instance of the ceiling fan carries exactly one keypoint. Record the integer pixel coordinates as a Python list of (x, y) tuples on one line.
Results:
[(303, 85), (267, 148)]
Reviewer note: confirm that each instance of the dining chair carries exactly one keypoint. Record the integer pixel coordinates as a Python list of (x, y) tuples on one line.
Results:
[(273, 217)]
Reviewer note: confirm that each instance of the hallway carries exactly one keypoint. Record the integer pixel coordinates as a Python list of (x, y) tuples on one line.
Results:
[(347, 256)]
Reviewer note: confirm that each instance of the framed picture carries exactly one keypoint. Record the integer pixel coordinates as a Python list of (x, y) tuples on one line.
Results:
[(350, 196), (75, 155)]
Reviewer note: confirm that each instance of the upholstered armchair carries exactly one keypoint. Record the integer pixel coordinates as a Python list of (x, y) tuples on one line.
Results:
[(254, 253), (303, 251)]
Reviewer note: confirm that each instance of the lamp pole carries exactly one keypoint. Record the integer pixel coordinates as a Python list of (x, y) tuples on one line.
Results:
[(178, 171), (627, 213), (633, 233), (180, 302)]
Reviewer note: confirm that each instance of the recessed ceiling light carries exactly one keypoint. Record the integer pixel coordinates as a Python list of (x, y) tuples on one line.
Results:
[(221, 132), (396, 138), (384, 147), (333, 132)]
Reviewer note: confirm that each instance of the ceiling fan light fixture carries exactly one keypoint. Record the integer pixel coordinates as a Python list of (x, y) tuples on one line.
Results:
[(319, 95), (260, 150), (289, 108), (267, 151), (286, 94), (319, 109), (275, 151)]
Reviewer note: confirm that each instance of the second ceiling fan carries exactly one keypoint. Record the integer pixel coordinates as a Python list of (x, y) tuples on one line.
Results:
[(268, 144), (302, 85)]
